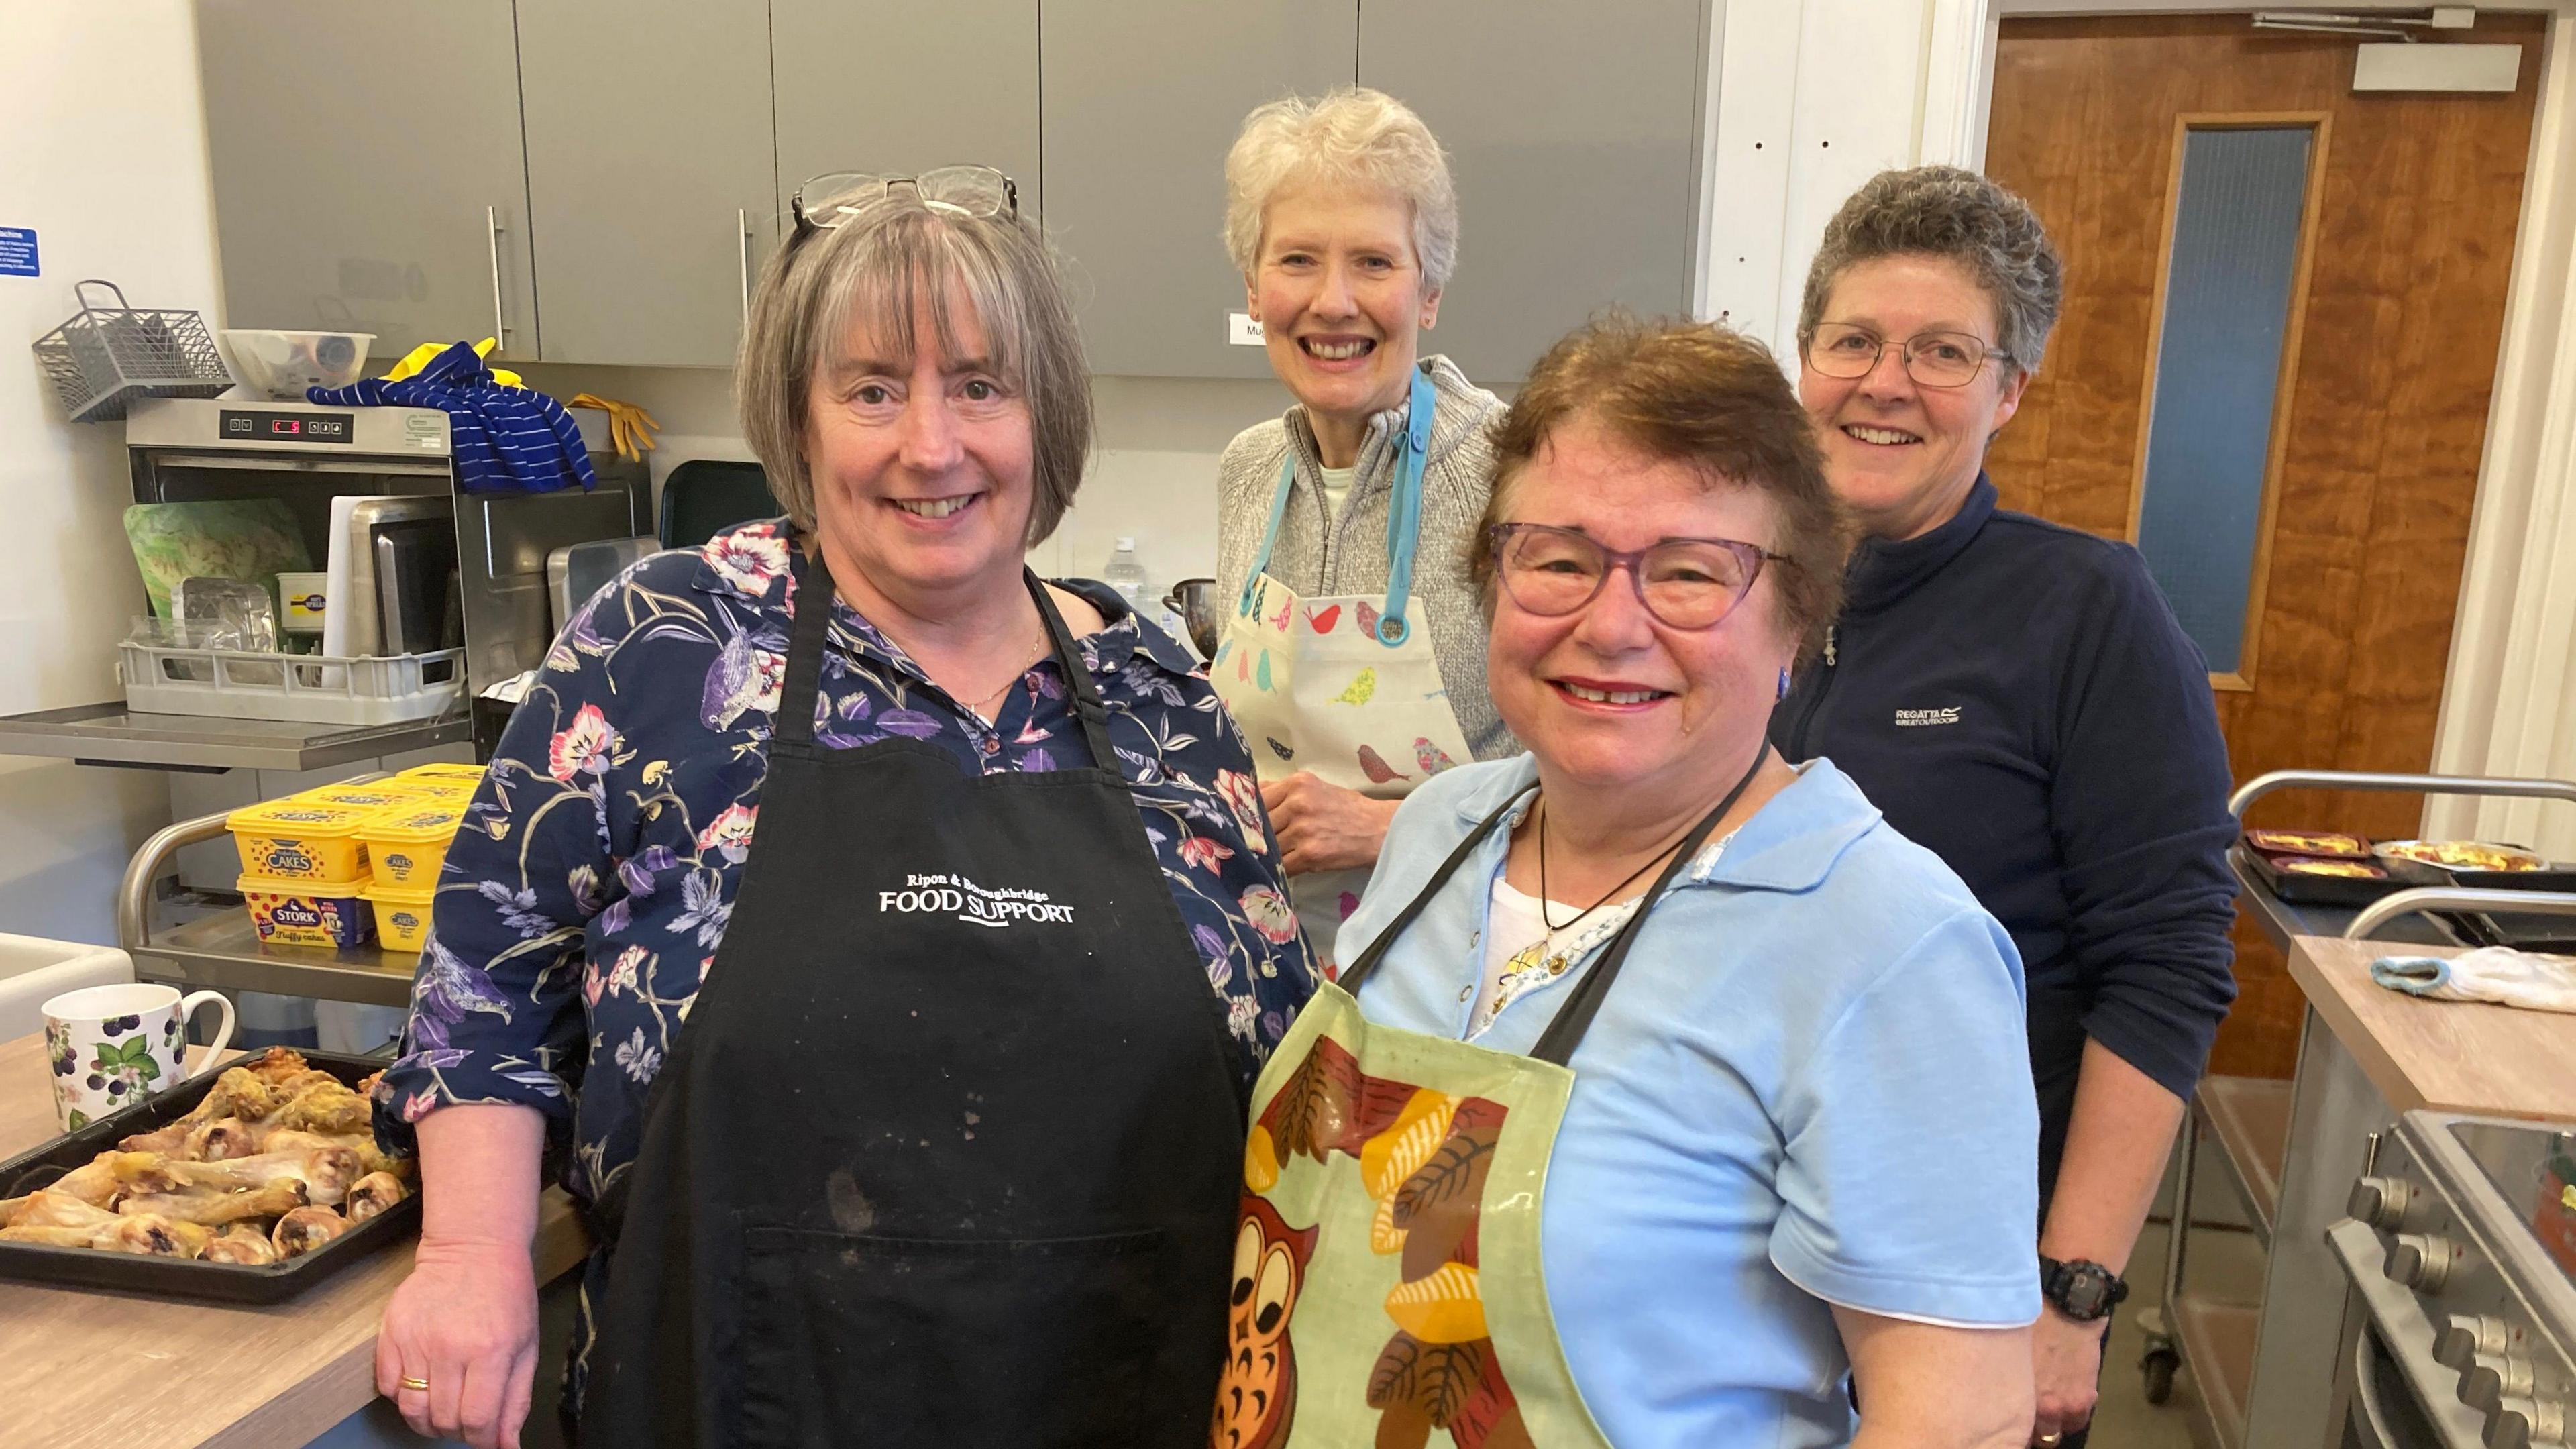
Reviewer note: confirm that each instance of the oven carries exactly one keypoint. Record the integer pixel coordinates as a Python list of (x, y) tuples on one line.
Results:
[(2459, 1254)]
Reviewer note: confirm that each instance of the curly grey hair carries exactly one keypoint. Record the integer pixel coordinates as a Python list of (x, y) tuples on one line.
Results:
[(1352, 136), (867, 273), (1942, 211)]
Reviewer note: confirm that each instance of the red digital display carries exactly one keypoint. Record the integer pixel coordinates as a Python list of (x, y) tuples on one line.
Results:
[(286, 425)]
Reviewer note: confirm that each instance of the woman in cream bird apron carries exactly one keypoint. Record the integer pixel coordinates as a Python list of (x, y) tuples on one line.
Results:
[(1347, 686)]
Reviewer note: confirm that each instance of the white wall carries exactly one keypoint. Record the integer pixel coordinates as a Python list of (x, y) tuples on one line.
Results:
[(102, 152)]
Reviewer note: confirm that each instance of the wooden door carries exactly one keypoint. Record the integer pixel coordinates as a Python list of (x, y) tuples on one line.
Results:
[(2386, 363)]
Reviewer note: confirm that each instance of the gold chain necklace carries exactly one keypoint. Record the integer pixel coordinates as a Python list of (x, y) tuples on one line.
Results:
[(977, 707)]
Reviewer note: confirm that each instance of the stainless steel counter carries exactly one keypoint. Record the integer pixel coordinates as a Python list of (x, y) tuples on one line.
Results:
[(111, 734)]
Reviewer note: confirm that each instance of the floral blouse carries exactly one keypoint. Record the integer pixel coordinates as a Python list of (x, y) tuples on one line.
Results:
[(589, 886)]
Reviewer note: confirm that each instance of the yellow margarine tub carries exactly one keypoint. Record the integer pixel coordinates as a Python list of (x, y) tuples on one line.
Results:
[(306, 912), (407, 844), (374, 795), (459, 793), (295, 839), (443, 770), (402, 915)]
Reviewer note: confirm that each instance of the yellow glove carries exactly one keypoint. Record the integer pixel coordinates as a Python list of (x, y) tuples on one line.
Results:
[(418, 358), (630, 428)]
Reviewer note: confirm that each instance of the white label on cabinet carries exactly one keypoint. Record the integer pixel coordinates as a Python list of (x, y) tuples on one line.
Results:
[(1243, 329)]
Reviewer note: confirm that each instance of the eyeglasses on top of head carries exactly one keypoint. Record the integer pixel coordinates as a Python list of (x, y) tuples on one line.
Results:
[(832, 198), (1932, 359), (1687, 583)]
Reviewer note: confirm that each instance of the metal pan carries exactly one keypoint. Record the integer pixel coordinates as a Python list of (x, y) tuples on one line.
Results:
[(176, 1277)]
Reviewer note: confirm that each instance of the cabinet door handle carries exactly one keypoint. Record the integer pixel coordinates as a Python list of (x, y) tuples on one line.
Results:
[(492, 235), (742, 250)]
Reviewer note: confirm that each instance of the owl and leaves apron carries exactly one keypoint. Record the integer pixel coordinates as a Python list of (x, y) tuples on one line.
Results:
[(1345, 686), (1387, 1281)]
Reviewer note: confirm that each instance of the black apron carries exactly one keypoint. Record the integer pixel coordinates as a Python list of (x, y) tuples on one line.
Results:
[(949, 1152)]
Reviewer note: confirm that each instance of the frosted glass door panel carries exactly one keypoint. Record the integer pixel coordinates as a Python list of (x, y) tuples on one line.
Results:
[(2218, 370)]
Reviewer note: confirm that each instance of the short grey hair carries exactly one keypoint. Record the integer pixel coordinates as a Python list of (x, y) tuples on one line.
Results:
[(1959, 216), (1351, 136), (871, 269)]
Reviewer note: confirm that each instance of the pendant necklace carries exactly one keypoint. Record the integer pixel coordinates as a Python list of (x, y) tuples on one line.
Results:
[(1528, 957)]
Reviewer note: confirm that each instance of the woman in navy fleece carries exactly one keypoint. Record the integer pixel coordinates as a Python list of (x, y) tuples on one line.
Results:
[(2018, 697)]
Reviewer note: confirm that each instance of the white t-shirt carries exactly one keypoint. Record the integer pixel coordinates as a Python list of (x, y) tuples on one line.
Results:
[(1513, 961), (1337, 490)]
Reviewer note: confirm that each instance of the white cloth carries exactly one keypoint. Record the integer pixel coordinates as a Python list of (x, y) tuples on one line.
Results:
[(2499, 974), (1337, 490)]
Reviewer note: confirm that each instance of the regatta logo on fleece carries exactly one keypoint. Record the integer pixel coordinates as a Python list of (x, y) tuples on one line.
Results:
[(972, 903), (1911, 718)]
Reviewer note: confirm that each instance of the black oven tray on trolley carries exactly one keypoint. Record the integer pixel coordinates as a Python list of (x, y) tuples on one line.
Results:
[(2299, 888), (182, 1277)]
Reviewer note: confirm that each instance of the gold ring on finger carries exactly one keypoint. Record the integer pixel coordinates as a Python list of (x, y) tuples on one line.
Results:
[(422, 1385)]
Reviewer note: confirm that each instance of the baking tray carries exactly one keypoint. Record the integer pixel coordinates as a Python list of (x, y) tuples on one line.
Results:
[(181, 1277), (2300, 889)]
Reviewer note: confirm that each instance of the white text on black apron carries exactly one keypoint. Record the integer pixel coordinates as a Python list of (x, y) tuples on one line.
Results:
[(971, 903)]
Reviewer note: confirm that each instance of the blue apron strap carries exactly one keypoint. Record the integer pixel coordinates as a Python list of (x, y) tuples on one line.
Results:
[(1269, 540), (1404, 513)]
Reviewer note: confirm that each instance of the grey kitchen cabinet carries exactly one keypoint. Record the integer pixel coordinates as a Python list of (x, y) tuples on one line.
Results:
[(895, 90), (1574, 138), (651, 178), (367, 169), (1141, 100)]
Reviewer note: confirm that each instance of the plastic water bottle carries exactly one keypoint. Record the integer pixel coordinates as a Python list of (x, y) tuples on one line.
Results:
[(1126, 574)]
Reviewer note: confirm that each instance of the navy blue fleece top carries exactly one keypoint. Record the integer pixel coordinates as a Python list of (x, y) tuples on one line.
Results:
[(2017, 697)]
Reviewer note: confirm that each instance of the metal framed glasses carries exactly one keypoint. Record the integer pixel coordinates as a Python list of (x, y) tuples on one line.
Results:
[(1932, 359), (1687, 583), (832, 198)]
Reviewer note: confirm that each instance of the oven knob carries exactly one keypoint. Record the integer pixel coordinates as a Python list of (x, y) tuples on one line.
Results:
[(2492, 1379), (2422, 1261), (2523, 1423), (2380, 1201), (2465, 1337)]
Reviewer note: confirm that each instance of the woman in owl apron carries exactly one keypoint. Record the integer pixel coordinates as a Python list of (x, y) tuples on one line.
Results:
[(1355, 657), (1667, 1094)]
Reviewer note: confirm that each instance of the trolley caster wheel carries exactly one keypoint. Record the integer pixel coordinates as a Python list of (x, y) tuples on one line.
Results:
[(2158, 1369)]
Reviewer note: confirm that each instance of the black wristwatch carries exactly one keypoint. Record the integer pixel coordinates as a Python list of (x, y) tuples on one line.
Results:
[(2082, 1291)]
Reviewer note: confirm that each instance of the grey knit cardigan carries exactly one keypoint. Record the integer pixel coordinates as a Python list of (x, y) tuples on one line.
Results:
[(1348, 556)]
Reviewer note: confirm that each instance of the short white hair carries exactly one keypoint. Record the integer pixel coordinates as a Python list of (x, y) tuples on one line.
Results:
[(1351, 136)]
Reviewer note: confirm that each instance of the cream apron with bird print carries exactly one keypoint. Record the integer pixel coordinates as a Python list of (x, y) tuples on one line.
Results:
[(1346, 686)]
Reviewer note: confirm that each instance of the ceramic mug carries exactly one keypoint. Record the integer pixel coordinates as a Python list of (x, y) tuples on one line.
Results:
[(110, 1047)]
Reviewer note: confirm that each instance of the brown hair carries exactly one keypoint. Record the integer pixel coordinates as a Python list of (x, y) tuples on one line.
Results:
[(1697, 394), (871, 267)]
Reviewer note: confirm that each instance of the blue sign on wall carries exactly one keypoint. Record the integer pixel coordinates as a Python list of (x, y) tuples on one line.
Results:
[(17, 251)]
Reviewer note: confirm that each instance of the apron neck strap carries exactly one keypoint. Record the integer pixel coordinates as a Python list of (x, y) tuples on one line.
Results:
[(1087, 707), (1403, 514), (1573, 1019), (794, 727), (1358, 972)]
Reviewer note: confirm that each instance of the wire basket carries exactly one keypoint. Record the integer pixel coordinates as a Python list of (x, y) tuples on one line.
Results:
[(105, 357)]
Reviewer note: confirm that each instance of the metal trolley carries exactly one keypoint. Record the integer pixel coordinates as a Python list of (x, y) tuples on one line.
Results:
[(2249, 1117)]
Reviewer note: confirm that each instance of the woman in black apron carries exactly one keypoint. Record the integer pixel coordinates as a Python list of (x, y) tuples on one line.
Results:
[(946, 1152)]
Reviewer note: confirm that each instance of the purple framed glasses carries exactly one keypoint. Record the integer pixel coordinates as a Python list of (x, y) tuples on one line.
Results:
[(1686, 583)]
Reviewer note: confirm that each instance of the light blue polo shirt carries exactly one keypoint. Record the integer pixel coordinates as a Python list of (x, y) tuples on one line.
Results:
[(1810, 1085)]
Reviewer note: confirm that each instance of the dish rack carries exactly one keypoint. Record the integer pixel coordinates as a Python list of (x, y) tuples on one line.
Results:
[(306, 688), (106, 357)]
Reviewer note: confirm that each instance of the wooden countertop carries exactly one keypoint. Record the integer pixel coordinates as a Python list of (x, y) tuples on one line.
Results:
[(82, 1368), (2451, 1056)]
